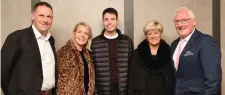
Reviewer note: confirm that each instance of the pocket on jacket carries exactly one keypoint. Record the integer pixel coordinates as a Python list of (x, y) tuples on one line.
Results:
[(196, 90)]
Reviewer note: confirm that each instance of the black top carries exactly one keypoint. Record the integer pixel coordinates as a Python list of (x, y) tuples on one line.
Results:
[(154, 57), (86, 72), (151, 74)]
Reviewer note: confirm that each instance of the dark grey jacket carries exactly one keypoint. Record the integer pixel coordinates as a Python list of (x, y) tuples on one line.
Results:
[(21, 69), (102, 65)]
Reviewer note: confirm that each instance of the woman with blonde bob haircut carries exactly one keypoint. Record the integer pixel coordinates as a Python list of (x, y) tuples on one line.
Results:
[(76, 74), (152, 70)]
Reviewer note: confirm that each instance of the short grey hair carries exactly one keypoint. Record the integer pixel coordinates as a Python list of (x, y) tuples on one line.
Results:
[(190, 12), (153, 25)]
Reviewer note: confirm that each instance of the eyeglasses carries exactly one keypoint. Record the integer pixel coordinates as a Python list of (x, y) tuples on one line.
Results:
[(182, 21)]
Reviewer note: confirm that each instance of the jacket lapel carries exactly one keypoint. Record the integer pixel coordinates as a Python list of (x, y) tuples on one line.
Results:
[(189, 44), (34, 44), (174, 45), (52, 43)]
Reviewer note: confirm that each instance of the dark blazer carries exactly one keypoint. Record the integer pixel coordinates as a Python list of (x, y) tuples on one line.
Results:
[(151, 75), (21, 67), (199, 71)]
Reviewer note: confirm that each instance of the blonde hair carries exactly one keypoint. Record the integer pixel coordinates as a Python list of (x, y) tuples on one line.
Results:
[(153, 25), (190, 12), (88, 44)]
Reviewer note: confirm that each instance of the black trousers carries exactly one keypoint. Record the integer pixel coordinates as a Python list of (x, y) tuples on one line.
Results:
[(114, 89)]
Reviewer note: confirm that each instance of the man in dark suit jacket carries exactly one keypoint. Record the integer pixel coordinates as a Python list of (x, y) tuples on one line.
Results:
[(196, 56), (28, 57)]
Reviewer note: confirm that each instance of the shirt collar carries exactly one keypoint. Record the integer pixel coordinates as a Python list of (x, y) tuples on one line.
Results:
[(38, 34), (188, 37), (112, 37)]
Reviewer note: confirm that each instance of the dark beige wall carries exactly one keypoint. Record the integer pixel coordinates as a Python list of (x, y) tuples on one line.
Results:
[(14, 15), (163, 11), (1, 26), (65, 17), (223, 43), (67, 14)]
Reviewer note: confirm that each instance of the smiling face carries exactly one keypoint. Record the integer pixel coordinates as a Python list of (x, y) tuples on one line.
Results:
[(184, 23), (110, 22), (153, 37), (81, 36), (42, 19), (153, 32)]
